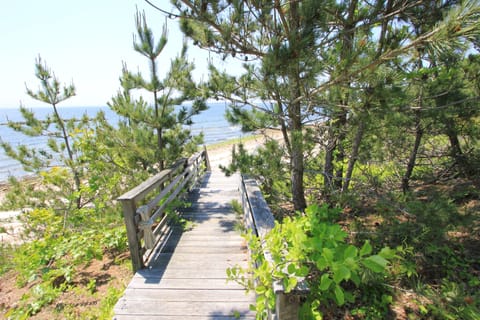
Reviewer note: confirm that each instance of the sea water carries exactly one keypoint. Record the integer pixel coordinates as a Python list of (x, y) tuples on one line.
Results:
[(211, 122)]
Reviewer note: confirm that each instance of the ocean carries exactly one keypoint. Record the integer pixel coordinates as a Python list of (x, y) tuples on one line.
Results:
[(211, 122)]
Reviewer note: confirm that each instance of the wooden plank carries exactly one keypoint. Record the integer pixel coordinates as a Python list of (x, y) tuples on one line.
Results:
[(145, 187), (196, 295), (218, 229), (208, 204), (195, 236), (210, 216), (208, 212), (159, 283), (206, 249), (213, 215), (196, 241), (220, 266), (213, 229), (210, 317), (194, 273), (209, 233), (204, 258), (262, 217), (221, 190), (185, 309)]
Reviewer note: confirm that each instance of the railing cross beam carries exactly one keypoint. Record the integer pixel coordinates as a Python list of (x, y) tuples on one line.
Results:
[(164, 187)]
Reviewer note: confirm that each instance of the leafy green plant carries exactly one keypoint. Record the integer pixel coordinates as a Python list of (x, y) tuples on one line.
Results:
[(50, 263), (452, 300), (31, 303), (107, 303), (237, 208), (266, 164), (313, 247), (6, 253), (92, 286)]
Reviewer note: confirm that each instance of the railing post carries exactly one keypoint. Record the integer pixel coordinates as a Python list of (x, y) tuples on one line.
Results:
[(259, 218), (287, 305), (207, 160), (129, 212)]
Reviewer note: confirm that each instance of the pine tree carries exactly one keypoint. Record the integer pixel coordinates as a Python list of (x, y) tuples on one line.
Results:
[(309, 59), (59, 164), (152, 135)]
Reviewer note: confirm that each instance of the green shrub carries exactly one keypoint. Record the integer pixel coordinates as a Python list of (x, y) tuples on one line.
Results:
[(314, 247)]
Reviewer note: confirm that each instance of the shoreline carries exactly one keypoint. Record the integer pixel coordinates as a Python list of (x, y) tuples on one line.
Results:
[(213, 148), (218, 153)]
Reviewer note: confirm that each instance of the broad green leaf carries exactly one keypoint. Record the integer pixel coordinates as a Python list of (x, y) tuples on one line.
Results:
[(355, 278), (387, 299), (327, 254), (260, 290), (290, 284), (387, 253), (321, 263), (349, 297), (291, 268), (366, 249), (303, 271), (350, 252), (375, 263), (325, 282), (342, 273), (339, 295), (351, 263)]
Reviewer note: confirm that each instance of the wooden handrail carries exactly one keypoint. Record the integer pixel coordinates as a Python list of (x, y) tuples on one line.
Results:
[(259, 219), (144, 210)]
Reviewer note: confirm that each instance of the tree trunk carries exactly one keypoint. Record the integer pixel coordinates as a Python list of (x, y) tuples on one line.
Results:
[(297, 170), (413, 154), (456, 149), (340, 156), (354, 156), (294, 109), (330, 149), (76, 174), (338, 134)]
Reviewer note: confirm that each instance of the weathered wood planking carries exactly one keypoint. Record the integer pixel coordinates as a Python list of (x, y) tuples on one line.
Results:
[(213, 317), (187, 278)]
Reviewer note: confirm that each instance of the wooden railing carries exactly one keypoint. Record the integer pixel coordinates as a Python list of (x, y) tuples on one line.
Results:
[(144, 206), (259, 219)]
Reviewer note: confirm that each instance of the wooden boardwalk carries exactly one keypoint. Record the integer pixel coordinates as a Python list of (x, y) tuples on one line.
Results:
[(187, 278)]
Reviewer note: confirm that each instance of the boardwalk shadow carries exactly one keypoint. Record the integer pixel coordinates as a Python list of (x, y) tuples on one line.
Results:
[(211, 204), (234, 314), (154, 272)]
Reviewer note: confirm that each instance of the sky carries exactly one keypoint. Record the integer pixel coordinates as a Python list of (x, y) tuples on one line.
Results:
[(83, 42)]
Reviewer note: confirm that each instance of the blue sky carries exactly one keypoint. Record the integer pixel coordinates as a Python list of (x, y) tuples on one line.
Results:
[(83, 42)]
